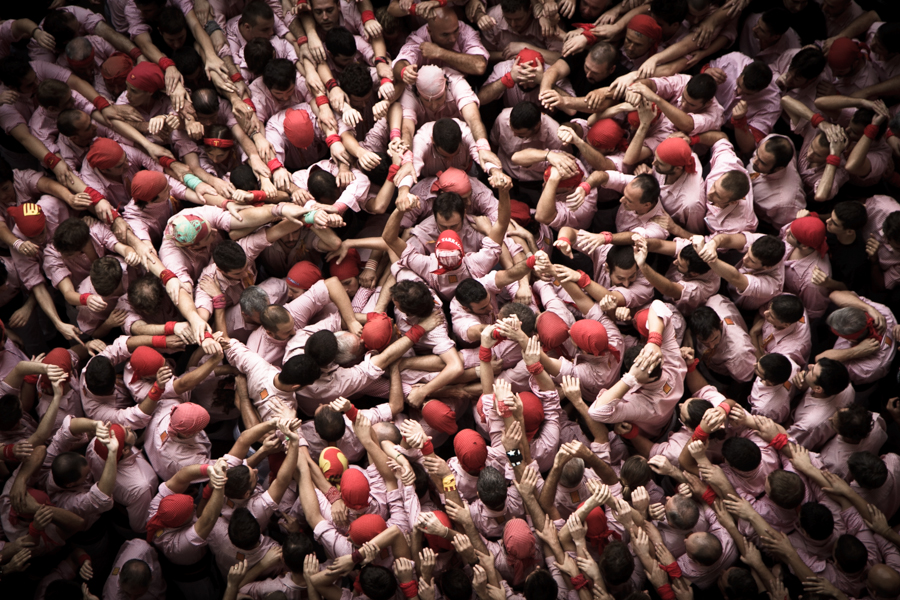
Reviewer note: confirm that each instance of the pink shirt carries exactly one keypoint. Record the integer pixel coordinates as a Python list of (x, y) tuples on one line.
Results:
[(135, 483), (459, 95), (777, 196), (118, 192), (483, 202), (237, 43), (149, 221), (805, 94), (227, 554), (695, 291), (349, 444), (502, 35), (749, 45), (637, 295), (188, 262), (182, 546), (18, 113), (253, 245), (628, 220), (837, 451), (462, 319), (428, 162), (773, 401), (886, 68), (167, 452), (763, 107), (474, 265), (467, 42), (705, 576), (878, 209), (515, 95), (341, 381), (674, 538), (353, 196), (865, 76), (545, 443), (738, 216), (88, 320), (812, 175), (118, 407), (289, 154), (671, 88), (260, 380), (811, 427), (507, 144), (734, 355), (77, 267), (763, 285), (875, 366), (137, 549), (267, 105), (43, 122), (798, 278), (887, 497), (683, 199), (749, 484)]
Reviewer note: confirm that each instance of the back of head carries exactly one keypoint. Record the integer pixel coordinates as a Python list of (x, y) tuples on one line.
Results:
[(447, 135), (603, 53), (492, 487), (340, 42), (776, 367), (817, 521), (206, 101), (616, 563), (135, 574), (769, 250), (257, 54), (670, 11), (330, 424), (572, 473), (757, 76), (787, 308), (704, 322), (781, 149), (736, 183), (279, 74), (868, 470), (470, 291), (741, 454), (295, 549), (683, 513), (540, 585), (67, 467), (378, 583), (172, 21), (809, 62), (323, 186), (229, 256), (850, 554), (106, 275), (707, 550), (854, 423), (889, 36), (525, 115), (254, 300), (636, 472), (448, 204), (300, 370), (702, 87), (695, 264), (274, 316), (739, 584), (243, 178), (629, 357), (356, 80), (527, 318), (891, 228), (239, 481), (649, 187), (254, 12), (621, 257), (146, 293), (71, 235), (61, 25), (852, 215), (243, 529), (455, 584), (52, 93), (777, 20), (187, 61), (833, 376), (414, 298), (321, 347), (786, 489)]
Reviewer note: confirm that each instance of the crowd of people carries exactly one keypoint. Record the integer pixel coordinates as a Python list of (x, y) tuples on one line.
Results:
[(506, 299)]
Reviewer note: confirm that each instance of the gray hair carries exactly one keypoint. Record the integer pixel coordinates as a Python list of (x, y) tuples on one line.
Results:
[(572, 473), (347, 347), (254, 300), (846, 321), (78, 49)]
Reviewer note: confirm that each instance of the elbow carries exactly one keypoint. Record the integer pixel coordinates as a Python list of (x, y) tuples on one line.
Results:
[(480, 66), (545, 217)]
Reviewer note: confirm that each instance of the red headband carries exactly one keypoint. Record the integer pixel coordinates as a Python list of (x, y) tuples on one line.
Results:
[(218, 142), (84, 62)]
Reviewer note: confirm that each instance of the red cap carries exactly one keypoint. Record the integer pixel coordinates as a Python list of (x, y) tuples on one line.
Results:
[(147, 185), (591, 337), (349, 267), (147, 77), (439, 416), (355, 489), (571, 182), (333, 463), (448, 251), (471, 450), (552, 330), (105, 153), (298, 128), (640, 322), (377, 332), (145, 361), (533, 413), (810, 231), (366, 527), (29, 218), (843, 53), (173, 511), (452, 180), (606, 134), (527, 56), (188, 419), (303, 275), (676, 152), (520, 212), (103, 452)]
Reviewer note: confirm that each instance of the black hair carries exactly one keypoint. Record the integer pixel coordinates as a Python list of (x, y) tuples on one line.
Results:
[(696, 408), (295, 549), (329, 423), (257, 54), (833, 376), (702, 87), (243, 529), (188, 60), (52, 93), (356, 80), (323, 186), (13, 70), (206, 101), (135, 573), (447, 135), (736, 183), (540, 585), (891, 227), (455, 584), (809, 62), (146, 294), (629, 357), (414, 298), (786, 489), (757, 76), (778, 20), (243, 178), (447, 204), (322, 347), (852, 215), (470, 291), (740, 585), (254, 12), (378, 175), (238, 483), (817, 521), (492, 488), (511, 6), (868, 470), (66, 468), (621, 257), (65, 123), (71, 235), (525, 115), (670, 11), (741, 453), (616, 563), (704, 322), (11, 411), (527, 318), (649, 187), (171, 21), (781, 149), (229, 256), (776, 368), (62, 25), (854, 423), (106, 275), (300, 370), (340, 42), (850, 554), (378, 583), (280, 74), (787, 308), (889, 36), (768, 249), (695, 263)]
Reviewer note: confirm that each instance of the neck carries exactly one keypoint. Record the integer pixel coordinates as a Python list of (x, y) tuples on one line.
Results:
[(846, 237)]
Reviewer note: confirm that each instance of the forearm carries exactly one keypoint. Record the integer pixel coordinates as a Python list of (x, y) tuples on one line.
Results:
[(45, 301), (665, 286), (636, 146)]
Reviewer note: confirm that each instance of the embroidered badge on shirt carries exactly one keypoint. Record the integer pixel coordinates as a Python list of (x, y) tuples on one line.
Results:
[(163, 436), (729, 321), (667, 388), (115, 571), (575, 497), (452, 278), (264, 394)]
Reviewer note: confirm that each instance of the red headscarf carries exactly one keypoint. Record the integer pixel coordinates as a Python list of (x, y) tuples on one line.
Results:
[(553, 331), (100, 448), (449, 252), (634, 119), (116, 67), (298, 128), (436, 542), (366, 527), (598, 532), (591, 337), (355, 489), (527, 56), (439, 416), (145, 361), (29, 218), (519, 542), (843, 53), (471, 450), (349, 267), (676, 152), (640, 322), (869, 328), (147, 185), (104, 153), (520, 212), (452, 180), (810, 231), (303, 275), (571, 182), (173, 511), (646, 25), (606, 134), (377, 332), (532, 412), (147, 77), (58, 357), (188, 419), (333, 464), (39, 496)]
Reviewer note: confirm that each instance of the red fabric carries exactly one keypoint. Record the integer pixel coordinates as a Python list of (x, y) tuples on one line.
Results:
[(527, 56), (135, 53), (843, 53), (145, 361), (147, 185), (665, 592), (571, 182), (173, 511), (532, 412), (165, 63), (94, 194), (102, 451), (355, 489), (471, 450), (531, 261), (100, 102), (676, 152), (439, 416), (436, 542), (167, 161), (699, 434), (584, 280), (810, 231), (105, 153), (377, 332), (170, 327), (834, 161), (148, 77), (392, 172), (321, 100), (591, 337), (249, 103), (155, 392), (51, 160), (485, 354), (83, 299), (9, 453), (235, 77), (580, 581), (598, 532), (654, 337), (520, 212), (29, 218), (709, 496), (303, 275), (535, 368), (39, 496), (452, 180), (410, 589), (117, 67), (646, 25), (606, 134), (587, 30), (415, 333), (449, 252), (640, 322), (332, 140), (367, 15), (159, 341), (350, 267), (298, 128), (188, 419), (672, 569), (552, 330), (871, 131), (274, 164), (779, 441), (166, 276), (58, 357), (632, 433), (519, 542), (816, 119), (366, 527), (869, 328), (740, 123)]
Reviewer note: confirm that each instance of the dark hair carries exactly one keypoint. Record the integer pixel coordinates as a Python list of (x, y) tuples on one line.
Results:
[(329, 423), (686, 513), (254, 12), (868, 470), (741, 454), (6, 172), (171, 21), (340, 42), (243, 178), (66, 468), (778, 20), (106, 275), (702, 87), (188, 61), (10, 411), (447, 135), (891, 227), (629, 357), (243, 529), (787, 308), (616, 563), (525, 115), (258, 53), (621, 257), (356, 80), (52, 93), (273, 316), (736, 183), (296, 547), (776, 368), (768, 249), (229, 256), (670, 11), (13, 70), (709, 551), (146, 294), (540, 585), (781, 149), (65, 123), (238, 483), (852, 215), (787, 489), (492, 488), (206, 101), (695, 263), (649, 187), (636, 472), (739, 584), (469, 291), (854, 423), (378, 175), (280, 74), (455, 584), (62, 25), (833, 376), (322, 347), (696, 408), (71, 235), (378, 583), (511, 6), (414, 298), (757, 76), (300, 370), (323, 186), (864, 116), (135, 573), (889, 36), (704, 322), (447, 204), (850, 554), (63, 590), (527, 318), (817, 521), (809, 62)]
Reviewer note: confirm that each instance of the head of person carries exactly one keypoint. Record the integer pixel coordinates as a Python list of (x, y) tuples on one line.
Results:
[(16, 74), (257, 21), (298, 371), (302, 276), (257, 54), (886, 43), (218, 143), (173, 28), (449, 210), (703, 547), (244, 531), (150, 9), (106, 276), (590, 10), (698, 93), (867, 470), (540, 583), (321, 347), (146, 294), (669, 14), (682, 513), (770, 26), (673, 157), (108, 158), (845, 57), (641, 194), (356, 80), (623, 269), (78, 126), (600, 62), (526, 316), (11, 412), (698, 10), (254, 300), (883, 582), (394, 29), (329, 423), (69, 470), (853, 324), (295, 549), (190, 64), (741, 454), (564, 186), (642, 35), (332, 461), (572, 474), (689, 263), (853, 423), (816, 521), (30, 221), (143, 83), (706, 327), (149, 187), (341, 44), (691, 411), (773, 156), (764, 253), (847, 218), (827, 377), (607, 136), (280, 77), (54, 96), (455, 584), (243, 178), (492, 488), (187, 419), (114, 71), (517, 14), (531, 58), (616, 563), (447, 138), (637, 473), (71, 236), (278, 322), (323, 186), (348, 271), (628, 358), (80, 57), (443, 27), (783, 311), (735, 583), (755, 77), (134, 578), (413, 298), (470, 450), (773, 369), (850, 555), (525, 120), (805, 68)]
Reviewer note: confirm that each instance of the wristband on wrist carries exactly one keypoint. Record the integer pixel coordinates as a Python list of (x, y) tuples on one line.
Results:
[(100, 102), (166, 161), (34, 532), (219, 301), (485, 354), (740, 123), (249, 103), (9, 452), (396, 133), (633, 433), (580, 581), (672, 569), (695, 139), (207, 335), (332, 139), (381, 60), (332, 495), (170, 327), (372, 265), (564, 239), (816, 119), (530, 261), (412, 10), (508, 81), (83, 299), (166, 275), (277, 210), (259, 195), (406, 157), (207, 492), (351, 413), (779, 441), (310, 218), (331, 84), (833, 160), (427, 448), (699, 434), (654, 337), (871, 131), (410, 588), (709, 496), (356, 556), (586, 187), (235, 77), (665, 592), (693, 366), (204, 470), (165, 62), (535, 368), (302, 40), (51, 160), (367, 15), (415, 333), (385, 80), (607, 237), (726, 408), (584, 280), (192, 181), (135, 53), (94, 194), (159, 341), (155, 393), (274, 165)]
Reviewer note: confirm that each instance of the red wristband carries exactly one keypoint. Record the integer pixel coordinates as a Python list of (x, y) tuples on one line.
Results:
[(135, 53), (699, 434), (166, 275), (94, 194), (633, 433), (51, 160), (249, 103), (100, 102), (695, 139), (207, 492), (331, 84), (584, 280), (672, 569), (498, 336), (367, 15), (693, 366), (654, 337), (415, 333), (725, 407), (709, 496), (508, 81), (155, 392), (833, 160), (485, 354), (564, 239), (412, 10), (396, 134), (607, 237), (83, 299), (665, 592), (321, 100), (207, 335), (740, 123), (219, 301), (530, 261), (159, 341), (888, 133), (779, 441), (385, 80), (302, 40), (166, 161), (871, 131), (9, 452), (580, 581), (410, 588), (816, 119), (235, 77), (34, 531), (535, 368), (351, 413), (585, 186), (165, 62), (332, 139), (274, 165), (392, 172), (427, 448), (258, 195), (332, 495), (170, 327), (204, 469)]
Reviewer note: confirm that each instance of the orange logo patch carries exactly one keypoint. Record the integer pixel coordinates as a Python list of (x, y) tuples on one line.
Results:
[(787, 385), (729, 321), (453, 278), (264, 394), (667, 388), (115, 571), (163, 436), (575, 497)]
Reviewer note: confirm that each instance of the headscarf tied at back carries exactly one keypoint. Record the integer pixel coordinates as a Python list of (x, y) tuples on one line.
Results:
[(592, 338), (147, 77), (431, 82), (605, 134), (676, 152), (116, 68), (104, 153), (173, 511), (810, 231), (519, 542), (187, 230), (598, 531), (349, 267), (647, 25), (471, 450), (553, 332), (298, 128), (188, 419), (452, 180)]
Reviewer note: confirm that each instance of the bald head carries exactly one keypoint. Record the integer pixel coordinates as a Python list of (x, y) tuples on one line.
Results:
[(572, 473), (443, 27), (704, 547), (884, 581)]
